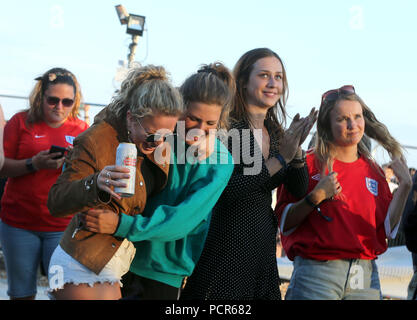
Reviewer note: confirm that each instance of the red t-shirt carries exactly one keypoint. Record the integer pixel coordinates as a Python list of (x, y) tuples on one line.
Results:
[(357, 230), (24, 200)]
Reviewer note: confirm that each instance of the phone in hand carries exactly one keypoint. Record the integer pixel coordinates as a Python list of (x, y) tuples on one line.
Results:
[(61, 150)]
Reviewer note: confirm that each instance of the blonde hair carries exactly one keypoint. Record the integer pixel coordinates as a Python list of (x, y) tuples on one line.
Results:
[(374, 129), (212, 84), (145, 91), (52, 77)]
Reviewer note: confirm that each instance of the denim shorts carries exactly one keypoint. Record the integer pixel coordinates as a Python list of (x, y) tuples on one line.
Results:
[(23, 251), (65, 269), (352, 279)]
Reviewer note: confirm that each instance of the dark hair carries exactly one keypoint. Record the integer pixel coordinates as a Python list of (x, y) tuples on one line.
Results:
[(212, 84), (275, 121), (52, 77)]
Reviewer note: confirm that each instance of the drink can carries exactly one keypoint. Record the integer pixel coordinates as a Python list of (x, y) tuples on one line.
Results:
[(126, 156)]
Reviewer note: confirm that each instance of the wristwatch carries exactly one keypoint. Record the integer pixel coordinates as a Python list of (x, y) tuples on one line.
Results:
[(29, 165)]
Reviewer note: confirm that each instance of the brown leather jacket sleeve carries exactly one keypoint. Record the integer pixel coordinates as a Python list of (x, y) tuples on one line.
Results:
[(76, 188)]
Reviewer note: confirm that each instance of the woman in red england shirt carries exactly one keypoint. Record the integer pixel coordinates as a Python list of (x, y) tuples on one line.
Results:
[(28, 232), (335, 233)]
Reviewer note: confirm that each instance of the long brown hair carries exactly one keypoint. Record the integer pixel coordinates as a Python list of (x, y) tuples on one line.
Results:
[(276, 116), (52, 77)]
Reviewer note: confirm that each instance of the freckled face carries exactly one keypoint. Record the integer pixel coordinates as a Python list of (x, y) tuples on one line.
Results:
[(347, 123), (265, 84)]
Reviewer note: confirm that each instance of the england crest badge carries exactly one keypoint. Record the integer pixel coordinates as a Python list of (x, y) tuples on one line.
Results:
[(70, 139), (372, 186), (316, 177)]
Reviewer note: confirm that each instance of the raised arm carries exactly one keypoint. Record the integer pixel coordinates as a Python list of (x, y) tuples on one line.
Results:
[(297, 212), (399, 199)]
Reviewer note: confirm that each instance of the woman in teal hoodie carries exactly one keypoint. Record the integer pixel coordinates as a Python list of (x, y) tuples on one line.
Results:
[(170, 235)]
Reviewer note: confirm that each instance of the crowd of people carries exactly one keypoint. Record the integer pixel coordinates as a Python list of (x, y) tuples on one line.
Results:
[(200, 225)]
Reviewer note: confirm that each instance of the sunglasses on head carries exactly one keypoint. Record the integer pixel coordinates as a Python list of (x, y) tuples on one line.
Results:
[(53, 101), (335, 93)]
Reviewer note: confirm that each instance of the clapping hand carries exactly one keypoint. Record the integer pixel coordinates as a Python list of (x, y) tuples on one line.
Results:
[(309, 123), (296, 134)]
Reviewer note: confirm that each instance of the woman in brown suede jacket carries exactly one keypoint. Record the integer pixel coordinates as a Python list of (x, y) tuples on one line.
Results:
[(89, 265)]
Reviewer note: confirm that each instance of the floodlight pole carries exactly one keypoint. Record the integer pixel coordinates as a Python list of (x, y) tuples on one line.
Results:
[(132, 50)]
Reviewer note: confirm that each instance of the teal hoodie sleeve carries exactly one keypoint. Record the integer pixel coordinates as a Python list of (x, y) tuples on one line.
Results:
[(170, 223)]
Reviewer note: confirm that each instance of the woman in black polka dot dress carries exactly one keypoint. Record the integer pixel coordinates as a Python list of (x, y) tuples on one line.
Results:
[(238, 260)]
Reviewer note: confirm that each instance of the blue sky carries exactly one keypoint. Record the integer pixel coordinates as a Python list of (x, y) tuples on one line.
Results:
[(324, 44)]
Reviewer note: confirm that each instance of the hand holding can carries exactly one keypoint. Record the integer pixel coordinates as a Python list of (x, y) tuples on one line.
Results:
[(126, 156), (112, 176)]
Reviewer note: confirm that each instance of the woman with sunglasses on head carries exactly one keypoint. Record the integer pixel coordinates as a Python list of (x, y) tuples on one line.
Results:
[(335, 233), (170, 235), (87, 264), (238, 260), (29, 234)]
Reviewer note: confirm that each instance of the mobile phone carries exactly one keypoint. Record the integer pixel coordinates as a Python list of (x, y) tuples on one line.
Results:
[(55, 149)]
